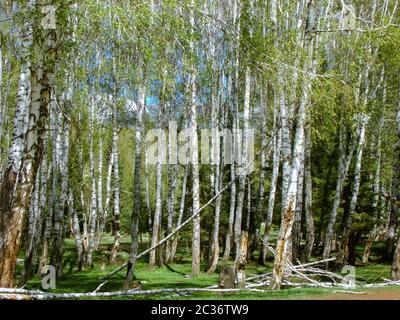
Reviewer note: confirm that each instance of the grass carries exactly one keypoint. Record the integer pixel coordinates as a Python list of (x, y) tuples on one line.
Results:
[(163, 277)]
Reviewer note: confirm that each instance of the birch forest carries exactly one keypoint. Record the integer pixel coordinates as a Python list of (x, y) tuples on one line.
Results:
[(242, 148)]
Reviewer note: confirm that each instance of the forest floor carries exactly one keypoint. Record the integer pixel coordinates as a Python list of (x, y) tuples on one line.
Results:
[(175, 275), (370, 294)]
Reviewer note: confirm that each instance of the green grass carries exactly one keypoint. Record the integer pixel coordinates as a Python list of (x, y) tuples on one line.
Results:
[(162, 277)]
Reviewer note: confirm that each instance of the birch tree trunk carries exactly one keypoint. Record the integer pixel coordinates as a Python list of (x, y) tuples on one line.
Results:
[(263, 156), (215, 237), (148, 207), (47, 223), (63, 200), (231, 218), (5, 115), (395, 272), (116, 189), (93, 201), (76, 232), (103, 218), (2, 106), (344, 249), (194, 151), (13, 209), (228, 237), (99, 192), (29, 242), (242, 165), (276, 160), (296, 233), (172, 180), (344, 163), (308, 197), (282, 248), (217, 167), (233, 91), (283, 252), (56, 251), (241, 262), (43, 205), (22, 100), (83, 207), (181, 211), (136, 186), (376, 189), (154, 257), (10, 177), (36, 219)]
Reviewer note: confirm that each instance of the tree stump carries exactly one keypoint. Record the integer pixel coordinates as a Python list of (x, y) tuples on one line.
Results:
[(227, 277)]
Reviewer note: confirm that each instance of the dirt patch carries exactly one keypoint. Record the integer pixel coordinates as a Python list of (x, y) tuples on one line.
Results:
[(370, 294)]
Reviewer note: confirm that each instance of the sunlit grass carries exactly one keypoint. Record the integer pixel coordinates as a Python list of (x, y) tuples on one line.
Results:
[(177, 275)]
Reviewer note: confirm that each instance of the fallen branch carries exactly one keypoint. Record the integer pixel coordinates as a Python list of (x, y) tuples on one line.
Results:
[(41, 295), (99, 287), (300, 266), (316, 262), (291, 266), (350, 292)]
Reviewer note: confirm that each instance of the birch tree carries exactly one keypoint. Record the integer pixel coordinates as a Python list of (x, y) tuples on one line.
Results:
[(141, 107), (13, 212), (343, 255), (289, 204), (194, 150)]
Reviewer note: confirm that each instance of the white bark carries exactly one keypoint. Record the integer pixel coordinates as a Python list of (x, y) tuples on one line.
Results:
[(181, 211), (103, 218), (93, 201), (282, 248), (216, 175), (154, 258), (283, 251), (116, 189), (100, 207), (296, 233), (194, 150), (13, 210), (23, 101), (276, 160), (242, 165), (232, 201), (146, 183), (172, 181), (76, 231), (56, 253), (263, 156)]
